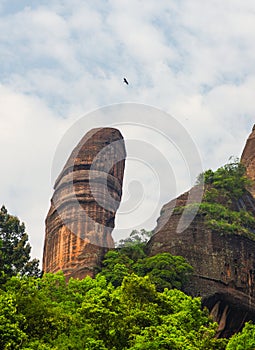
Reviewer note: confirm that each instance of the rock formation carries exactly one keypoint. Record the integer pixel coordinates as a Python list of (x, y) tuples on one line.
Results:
[(86, 196), (248, 158), (224, 263)]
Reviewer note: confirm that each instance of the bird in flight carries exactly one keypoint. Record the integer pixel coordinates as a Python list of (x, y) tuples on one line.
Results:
[(125, 81)]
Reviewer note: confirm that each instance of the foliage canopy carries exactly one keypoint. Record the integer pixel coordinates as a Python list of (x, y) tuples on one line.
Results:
[(14, 248), (164, 270), (49, 314)]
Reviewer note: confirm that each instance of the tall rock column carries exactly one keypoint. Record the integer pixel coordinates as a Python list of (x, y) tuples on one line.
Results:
[(248, 158), (86, 196)]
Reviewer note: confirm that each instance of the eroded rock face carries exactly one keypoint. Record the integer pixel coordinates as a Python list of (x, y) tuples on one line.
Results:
[(224, 264), (248, 158), (86, 196)]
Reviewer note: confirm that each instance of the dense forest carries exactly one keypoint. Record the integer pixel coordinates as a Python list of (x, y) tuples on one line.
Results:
[(134, 302)]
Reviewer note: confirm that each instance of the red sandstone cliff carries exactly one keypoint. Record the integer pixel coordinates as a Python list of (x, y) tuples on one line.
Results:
[(248, 158), (224, 263), (86, 196)]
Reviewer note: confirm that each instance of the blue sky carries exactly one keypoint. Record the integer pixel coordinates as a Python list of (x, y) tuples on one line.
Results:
[(60, 60)]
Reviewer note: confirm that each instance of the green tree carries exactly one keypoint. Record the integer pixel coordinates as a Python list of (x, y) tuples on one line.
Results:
[(245, 340), (135, 237), (43, 307), (11, 335), (134, 245), (136, 316), (184, 326), (119, 263), (116, 265), (14, 248), (164, 270), (49, 314)]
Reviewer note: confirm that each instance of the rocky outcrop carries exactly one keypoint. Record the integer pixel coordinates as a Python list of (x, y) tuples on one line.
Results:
[(248, 158), (224, 264), (86, 196)]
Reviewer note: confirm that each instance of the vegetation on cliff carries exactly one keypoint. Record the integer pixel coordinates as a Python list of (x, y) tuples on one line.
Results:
[(224, 190), (229, 181)]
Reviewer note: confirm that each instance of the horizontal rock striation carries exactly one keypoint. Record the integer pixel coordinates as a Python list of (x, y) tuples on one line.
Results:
[(87, 194)]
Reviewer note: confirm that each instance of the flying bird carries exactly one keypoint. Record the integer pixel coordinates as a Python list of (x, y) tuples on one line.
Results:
[(125, 81)]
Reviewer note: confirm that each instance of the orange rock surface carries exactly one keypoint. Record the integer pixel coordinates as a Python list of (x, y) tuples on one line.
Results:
[(86, 196), (248, 158)]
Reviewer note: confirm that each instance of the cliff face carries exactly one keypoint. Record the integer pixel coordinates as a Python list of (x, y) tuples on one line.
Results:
[(223, 261), (86, 196), (224, 265), (248, 158)]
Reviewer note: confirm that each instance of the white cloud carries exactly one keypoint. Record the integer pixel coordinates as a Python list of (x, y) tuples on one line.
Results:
[(28, 137)]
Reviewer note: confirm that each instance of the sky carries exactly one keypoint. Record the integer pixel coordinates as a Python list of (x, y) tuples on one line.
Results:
[(190, 67)]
